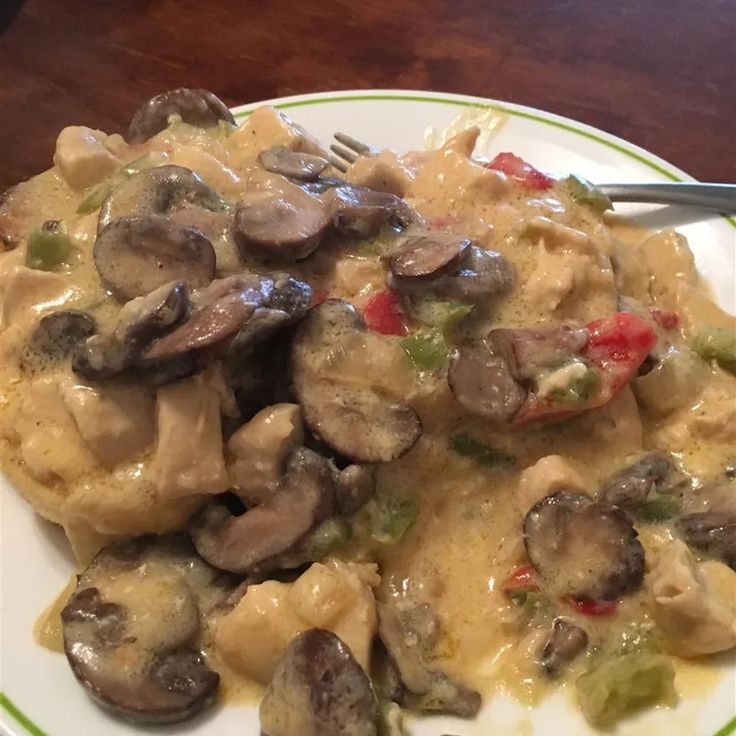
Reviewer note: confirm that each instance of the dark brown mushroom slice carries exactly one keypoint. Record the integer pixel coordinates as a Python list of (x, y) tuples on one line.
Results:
[(135, 255), (279, 221), (220, 310), (132, 627), (482, 383), (409, 633), (198, 107), (632, 485), (321, 185), (358, 423), (318, 689), (159, 191), (427, 255), (358, 212), (356, 484), (293, 164), (291, 296), (566, 641), (585, 549), (56, 337), (712, 532), (529, 351), (140, 322), (246, 543)]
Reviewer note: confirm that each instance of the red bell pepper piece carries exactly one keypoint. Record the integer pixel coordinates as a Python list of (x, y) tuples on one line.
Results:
[(665, 318), (616, 347), (522, 580), (383, 314), (521, 171), (319, 296), (589, 607)]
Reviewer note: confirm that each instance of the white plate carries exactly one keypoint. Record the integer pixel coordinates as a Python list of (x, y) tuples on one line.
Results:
[(40, 695)]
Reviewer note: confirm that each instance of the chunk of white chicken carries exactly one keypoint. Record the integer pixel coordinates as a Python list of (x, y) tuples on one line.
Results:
[(694, 604), (259, 449), (548, 475), (189, 458), (382, 173), (82, 157), (116, 421), (27, 292), (334, 596)]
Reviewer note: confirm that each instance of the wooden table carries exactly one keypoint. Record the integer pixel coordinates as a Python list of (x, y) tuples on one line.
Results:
[(661, 73)]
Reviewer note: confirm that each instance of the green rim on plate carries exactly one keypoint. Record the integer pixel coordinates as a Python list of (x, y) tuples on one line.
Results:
[(568, 126), (5, 703)]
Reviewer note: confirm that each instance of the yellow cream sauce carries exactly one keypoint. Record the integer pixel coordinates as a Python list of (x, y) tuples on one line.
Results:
[(466, 539)]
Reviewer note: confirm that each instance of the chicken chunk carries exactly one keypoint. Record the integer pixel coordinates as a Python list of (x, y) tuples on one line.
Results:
[(116, 421), (82, 157), (259, 450), (333, 596), (548, 475), (28, 292), (382, 173), (694, 604), (189, 452)]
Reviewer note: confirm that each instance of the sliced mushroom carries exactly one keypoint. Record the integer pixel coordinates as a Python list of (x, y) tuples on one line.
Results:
[(132, 629), (631, 486), (360, 213), (140, 322), (278, 220), (408, 636), (585, 549), (564, 644), (529, 351), (322, 184), (318, 689), (710, 524), (56, 337), (197, 107), (481, 382), (135, 255), (293, 164), (355, 486), (427, 255), (356, 422), (246, 543), (159, 191)]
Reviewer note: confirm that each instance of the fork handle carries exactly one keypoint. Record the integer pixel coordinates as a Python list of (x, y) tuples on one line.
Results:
[(715, 197)]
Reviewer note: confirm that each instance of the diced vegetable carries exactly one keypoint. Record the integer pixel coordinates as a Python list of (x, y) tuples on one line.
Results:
[(584, 192), (519, 170), (580, 390), (522, 580), (319, 296), (618, 686), (328, 536), (471, 447), (665, 318), (427, 351), (719, 344), (442, 314), (383, 314), (47, 247), (591, 608), (661, 508), (95, 197), (392, 516)]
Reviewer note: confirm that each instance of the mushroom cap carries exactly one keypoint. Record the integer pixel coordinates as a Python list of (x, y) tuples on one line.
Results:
[(158, 191), (358, 423), (131, 630), (566, 641), (197, 107), (630, 486), (278, 220), (481, 382), (428, 255), (293, 164), (135, 255), (57, 336), (582, 548), (318, 689), (359, 212)]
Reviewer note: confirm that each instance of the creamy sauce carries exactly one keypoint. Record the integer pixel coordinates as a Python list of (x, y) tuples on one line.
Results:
[(570, 264)]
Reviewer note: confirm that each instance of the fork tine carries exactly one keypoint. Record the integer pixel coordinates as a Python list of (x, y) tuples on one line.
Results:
[(338, 164), (352, 143), (344, 153)]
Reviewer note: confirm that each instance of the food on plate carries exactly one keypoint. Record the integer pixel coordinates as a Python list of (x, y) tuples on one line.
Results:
[(378, 443)]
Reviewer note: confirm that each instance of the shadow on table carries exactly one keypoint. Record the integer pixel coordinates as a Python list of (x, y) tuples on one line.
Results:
[(8, 10)]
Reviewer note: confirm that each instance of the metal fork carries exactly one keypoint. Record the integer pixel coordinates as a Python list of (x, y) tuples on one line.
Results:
[(713, 197)]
